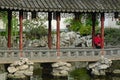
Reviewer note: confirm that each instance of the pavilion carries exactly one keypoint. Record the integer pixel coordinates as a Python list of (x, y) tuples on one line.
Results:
[(58, 6)]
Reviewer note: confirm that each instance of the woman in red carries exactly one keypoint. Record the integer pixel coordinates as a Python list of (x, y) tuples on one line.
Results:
[(97, 41)]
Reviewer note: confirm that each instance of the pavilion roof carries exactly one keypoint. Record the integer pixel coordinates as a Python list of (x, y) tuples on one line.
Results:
[(62, 5)]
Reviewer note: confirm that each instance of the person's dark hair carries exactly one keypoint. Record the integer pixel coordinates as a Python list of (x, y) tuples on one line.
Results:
[(97, 34)]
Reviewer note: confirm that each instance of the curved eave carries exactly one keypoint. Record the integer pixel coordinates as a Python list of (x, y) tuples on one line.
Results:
[(55, 10)]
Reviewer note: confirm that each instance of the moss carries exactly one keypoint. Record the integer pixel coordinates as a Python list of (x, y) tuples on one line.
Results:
[(116, 64), (80, 74), (37, 71)]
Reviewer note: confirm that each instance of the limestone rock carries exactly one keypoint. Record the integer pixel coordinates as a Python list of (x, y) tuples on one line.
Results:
[(103, 66), (68, 65), (55, 71), (92, 65), (102, 72), (56, 74), (21, 68), (55, 65), (61, 68), (116, 71), (28, 73), (31, 68), (95, 72), (17, 75), (64, 68), (11, 69), (19, 72), (64, 72), (67, 39), (99, 68), (10, 75), (29, 63), (24, 59), (15, 63)]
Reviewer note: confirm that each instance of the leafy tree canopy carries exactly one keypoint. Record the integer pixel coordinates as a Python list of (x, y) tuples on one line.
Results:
[(35, 28), (83, 25)]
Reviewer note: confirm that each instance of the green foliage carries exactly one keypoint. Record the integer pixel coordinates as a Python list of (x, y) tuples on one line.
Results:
[(37, 71), (85, 30), (2, 33), (75, 26), (3, 16), (83, 27), (80, 74), (112, 36), (35, 29), (115, 64), (14, 25), (88, 21), (118, 22)]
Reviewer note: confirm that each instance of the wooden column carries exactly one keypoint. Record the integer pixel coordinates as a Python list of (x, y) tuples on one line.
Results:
[(93, 28), (21, 31), (58, 33), (9, 28), (102, 30), (49, 30)]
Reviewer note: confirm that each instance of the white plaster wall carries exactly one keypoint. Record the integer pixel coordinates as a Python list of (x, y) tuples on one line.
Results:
[(110, 21)]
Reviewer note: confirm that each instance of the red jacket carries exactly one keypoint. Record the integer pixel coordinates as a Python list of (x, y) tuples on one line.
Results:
[(97, 40)]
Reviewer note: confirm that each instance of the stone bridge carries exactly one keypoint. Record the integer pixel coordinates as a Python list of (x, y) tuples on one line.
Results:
[(44, 55)]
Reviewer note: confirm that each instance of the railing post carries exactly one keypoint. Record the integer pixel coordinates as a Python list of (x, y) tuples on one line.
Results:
[(93, 53)]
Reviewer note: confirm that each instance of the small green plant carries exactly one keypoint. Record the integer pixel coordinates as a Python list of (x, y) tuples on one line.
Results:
[(80, 74)]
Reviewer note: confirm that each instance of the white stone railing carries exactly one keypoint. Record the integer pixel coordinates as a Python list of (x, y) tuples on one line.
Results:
[(46, 55)]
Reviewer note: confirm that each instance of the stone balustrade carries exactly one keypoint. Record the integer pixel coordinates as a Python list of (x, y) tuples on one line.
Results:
[(46, 55)]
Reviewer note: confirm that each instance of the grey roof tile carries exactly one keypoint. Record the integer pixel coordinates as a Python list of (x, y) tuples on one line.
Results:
[(62, 5)]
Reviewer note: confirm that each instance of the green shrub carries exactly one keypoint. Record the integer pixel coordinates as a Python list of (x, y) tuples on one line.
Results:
[(84, 27), (85, 30), (112, 36)]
